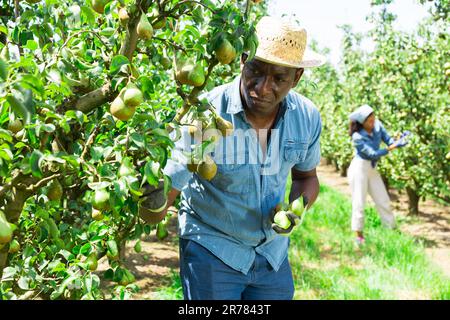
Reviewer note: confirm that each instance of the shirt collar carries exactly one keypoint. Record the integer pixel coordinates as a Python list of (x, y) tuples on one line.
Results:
[(235, 105)]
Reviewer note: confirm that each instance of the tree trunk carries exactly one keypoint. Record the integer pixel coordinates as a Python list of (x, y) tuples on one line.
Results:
[(343, 169), (413, 201), (336, 166)]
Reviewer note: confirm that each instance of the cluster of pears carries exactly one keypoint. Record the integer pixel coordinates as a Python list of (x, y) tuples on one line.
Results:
[(190, 73), (204, 166), (297, 207), (124, 105), (212, 129)]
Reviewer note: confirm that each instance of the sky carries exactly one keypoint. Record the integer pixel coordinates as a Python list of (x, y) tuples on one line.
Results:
[(320, 18)]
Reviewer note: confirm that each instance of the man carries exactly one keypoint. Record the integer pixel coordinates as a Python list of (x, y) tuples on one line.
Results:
[(228, 247)]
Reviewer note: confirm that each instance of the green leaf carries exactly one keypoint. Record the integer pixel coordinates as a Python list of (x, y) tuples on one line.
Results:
[(109, 274), (5, 135), (29, 81), (9, 273), (149, 176), (108, 31), (117, 62), (6, 154), (3, 69), (86, 249), (138, 139), (24, 283), (146, 85), (35, 163), (32, 45)]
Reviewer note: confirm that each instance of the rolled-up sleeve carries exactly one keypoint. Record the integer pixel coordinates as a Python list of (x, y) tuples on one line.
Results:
[(312, 158), (366, 149), (176, 167)]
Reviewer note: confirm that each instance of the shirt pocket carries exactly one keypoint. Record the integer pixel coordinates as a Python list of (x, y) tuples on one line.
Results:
[(232, 178), (295, 151)]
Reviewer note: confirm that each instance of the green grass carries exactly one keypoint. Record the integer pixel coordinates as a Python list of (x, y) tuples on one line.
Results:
[(326, 264)]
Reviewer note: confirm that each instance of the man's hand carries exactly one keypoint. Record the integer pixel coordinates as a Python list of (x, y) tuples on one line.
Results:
[(153, 203), (285, 217), (283, 222)]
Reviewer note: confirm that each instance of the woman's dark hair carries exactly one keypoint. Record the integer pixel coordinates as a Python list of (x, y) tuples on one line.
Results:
[(355, 126)]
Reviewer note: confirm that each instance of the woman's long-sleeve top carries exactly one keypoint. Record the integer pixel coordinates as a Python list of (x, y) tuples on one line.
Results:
[(368, 146)]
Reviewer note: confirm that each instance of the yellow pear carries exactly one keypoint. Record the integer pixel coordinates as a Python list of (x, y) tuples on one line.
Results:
[(144, 28)]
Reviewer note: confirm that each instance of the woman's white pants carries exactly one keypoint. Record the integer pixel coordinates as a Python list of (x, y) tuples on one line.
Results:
[(364, 178)]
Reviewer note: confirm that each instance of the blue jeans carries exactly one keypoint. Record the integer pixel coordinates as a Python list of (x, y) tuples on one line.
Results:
[(206, 277)]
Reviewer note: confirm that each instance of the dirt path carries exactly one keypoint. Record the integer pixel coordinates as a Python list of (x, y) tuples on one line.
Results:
[(432, 225), (153, 266)]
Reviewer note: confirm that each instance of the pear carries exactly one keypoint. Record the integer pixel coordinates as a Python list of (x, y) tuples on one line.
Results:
[(14, 246), (211, 132), (196, 76), (99, 5), (225, 53), (138, 246), (15, 126), (161, 231), (126, 168), (123, 17), (297, 206), (182, 73), (166, 63), (101, 200), (133, 96), (127, 278), (207, 168), (282, 220), (6, 231), (121, 111), (92, 262), (55, 190), (97, 215), (225, 127), (144, 28)]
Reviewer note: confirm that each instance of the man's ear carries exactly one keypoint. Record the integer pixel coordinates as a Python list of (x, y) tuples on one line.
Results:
[(298, 76), (244, 57)]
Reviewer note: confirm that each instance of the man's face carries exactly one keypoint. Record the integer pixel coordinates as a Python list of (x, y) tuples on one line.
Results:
[(264, 85)]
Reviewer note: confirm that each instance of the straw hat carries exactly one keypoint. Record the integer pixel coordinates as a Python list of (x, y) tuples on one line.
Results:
[(284, 44)]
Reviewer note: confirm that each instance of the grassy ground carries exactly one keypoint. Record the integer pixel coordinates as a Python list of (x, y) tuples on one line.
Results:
[(326, 264)]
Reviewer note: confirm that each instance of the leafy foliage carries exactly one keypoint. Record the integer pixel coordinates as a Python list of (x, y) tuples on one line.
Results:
[(72, 174)]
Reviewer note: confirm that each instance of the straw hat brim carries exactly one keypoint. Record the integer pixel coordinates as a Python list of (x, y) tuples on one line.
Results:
[(310, 59)]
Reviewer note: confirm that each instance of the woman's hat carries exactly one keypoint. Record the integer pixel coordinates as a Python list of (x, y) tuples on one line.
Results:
[(361, 114), (282, 43)]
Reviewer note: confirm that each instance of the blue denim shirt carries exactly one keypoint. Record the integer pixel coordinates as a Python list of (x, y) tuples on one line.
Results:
[(368, 146), (230, 215)]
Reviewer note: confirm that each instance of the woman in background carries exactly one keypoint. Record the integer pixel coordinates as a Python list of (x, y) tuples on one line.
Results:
[(367, 134)]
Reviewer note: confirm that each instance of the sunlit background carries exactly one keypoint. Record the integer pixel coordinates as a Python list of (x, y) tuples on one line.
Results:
[(321, 18)]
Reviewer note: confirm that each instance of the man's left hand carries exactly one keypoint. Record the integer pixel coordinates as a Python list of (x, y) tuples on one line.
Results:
[(283, 222)]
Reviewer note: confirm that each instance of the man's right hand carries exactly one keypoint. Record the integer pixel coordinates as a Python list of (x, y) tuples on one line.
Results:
[(153, 204)]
